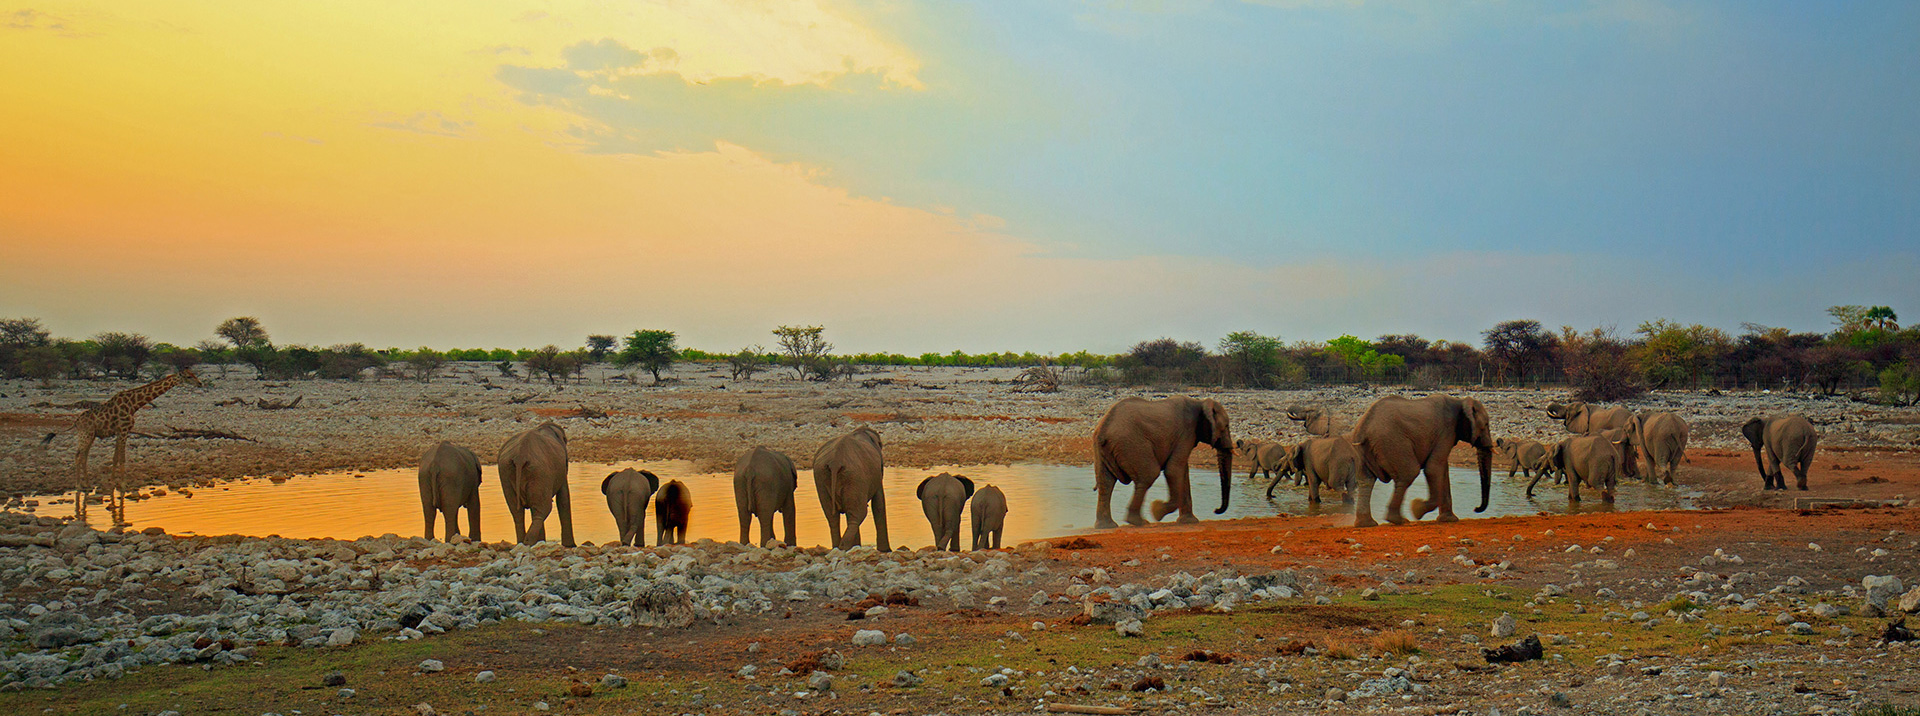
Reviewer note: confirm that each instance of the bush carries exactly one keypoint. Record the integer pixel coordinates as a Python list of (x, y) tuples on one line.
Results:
[(1598, 367), (43, 363), (1426, 377), (1162, 361), (123, 353), (556, 364), (424, 363), (19, 337), (1900, 384), (652, 351), (747, 362), (808, 352), (345, 362), (1397, 643)]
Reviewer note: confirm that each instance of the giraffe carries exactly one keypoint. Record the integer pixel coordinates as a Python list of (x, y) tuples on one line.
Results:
[(114, 419)]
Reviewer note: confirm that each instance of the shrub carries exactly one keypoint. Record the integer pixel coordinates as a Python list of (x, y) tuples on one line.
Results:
[(18, 337), (124, 353), (1900, 384), (556, 364), (1426, 377), (177, 359), (748, 361), (424, 363), (599, 346), (808, 351), (43, 363), (1161, 361), (344, 362), (1396, 642), (1340, 650)]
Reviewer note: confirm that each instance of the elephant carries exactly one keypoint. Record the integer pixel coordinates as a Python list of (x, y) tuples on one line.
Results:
[(1583, 419), (1267, 459), (1789, 440), (1597, 460), (1527, 456), (848, 472), (533, 476), (450, 480), (1328, 462), (763, 485), (941, 498), (628, 492), (1662, 439), (1138, 439), (1314, 420), (672, 508), (1399, 438), (989, 517)]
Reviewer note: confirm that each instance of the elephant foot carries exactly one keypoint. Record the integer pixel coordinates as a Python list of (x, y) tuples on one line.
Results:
[(1162, 508), (1364, 520), (1396, 518), (1136, 520), (1188, 519), (1104, 522), (1447, 517), (1420, 507)]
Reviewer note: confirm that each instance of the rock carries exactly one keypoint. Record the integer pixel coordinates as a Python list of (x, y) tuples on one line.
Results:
[(432, 666), (994, 681), (1526, 649), (1801, 628), (540, 706), (869, 637), (1880, 589), (484, 677), (748, 670), (1829, 611), (424, 709), (904, 639), (1560, 699), (1370, 594), (1147, 661), (831, 660), (664, 604), (344, 693), (1503, 627), (580, 690), (1130, 627), (1717, 679), (1100, 610), (1783, 618), (342, 636), (820, 681), (1336, 694), (333, 678), (57, 638), (906, 680), (1910, 602)]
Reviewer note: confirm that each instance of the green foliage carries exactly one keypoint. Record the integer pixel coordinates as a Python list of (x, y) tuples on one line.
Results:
[(1672, 354), (1519, 348), (124, 354), (243, 332), (599, 346), (1900, 384), (652, 351), (19, 339), (1361, 354), (555, 363), (750, 360), (1253, 359), (807, 351), (1597, 365), (424, 362), (345, 362)]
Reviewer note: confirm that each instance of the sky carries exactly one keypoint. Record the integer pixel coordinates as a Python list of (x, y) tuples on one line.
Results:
[(932, 176)]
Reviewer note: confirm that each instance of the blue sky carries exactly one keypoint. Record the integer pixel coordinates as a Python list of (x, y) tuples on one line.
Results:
[(1351, 167)]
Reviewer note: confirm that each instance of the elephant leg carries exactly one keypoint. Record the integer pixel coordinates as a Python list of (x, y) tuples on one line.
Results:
[(1439, 492), (1800, 466), (537, 521), (1534, 481), (787, 513), (850, 538), (473, 515), (1573, 485), (996, 536), (1363, 502), (429, 511), (1313, 486), (1103, 504), (746, 520), (880, 522), (1180, 488), (450, 513), (1137, 502), (1270, 485), (833, 530), (565, 501), (1394, 500)]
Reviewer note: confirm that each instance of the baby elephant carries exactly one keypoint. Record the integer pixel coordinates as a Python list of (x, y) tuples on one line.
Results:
[(989, 517), (628, 492), (450, 480), (671, 508), (941, 497)]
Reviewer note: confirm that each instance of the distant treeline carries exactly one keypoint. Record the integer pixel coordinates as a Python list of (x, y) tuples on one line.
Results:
[(1867, 352)]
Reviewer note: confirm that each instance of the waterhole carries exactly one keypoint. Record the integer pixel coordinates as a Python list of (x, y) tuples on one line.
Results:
[(1043, 501)]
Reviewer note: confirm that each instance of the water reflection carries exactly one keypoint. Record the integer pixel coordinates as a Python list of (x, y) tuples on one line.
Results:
[(1043, 501)]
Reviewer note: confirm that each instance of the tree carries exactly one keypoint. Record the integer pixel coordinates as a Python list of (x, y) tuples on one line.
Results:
[(124, 353), (748, 361), (1515, 346), (1360, 354), (1672, 353), (554, 363), (17, 337), (1883, 318), (424, 363), (1254, 359), (652, 351), (243, 332), (599, 346), (807, 351), (1597, 365), (1849, 318)]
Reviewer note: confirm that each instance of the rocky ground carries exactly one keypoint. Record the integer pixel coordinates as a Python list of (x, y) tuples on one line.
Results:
[(939, 416)]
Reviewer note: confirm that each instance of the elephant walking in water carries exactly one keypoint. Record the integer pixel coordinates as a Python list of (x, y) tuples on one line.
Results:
[(1596, 460), (450, 480), (533, 476), (1787, 440), (763, 485), (1662, 439), (1138, 439), (942, 497), (848, 472), (1400, 438)]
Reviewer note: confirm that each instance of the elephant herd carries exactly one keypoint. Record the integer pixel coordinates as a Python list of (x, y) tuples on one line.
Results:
[(1398, 439), (847, 473)]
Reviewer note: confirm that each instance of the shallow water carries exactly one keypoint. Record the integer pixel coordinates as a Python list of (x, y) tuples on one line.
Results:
[(1043, 501)]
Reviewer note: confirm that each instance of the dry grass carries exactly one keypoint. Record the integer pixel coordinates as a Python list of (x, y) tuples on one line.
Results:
[(1397, 642), (1340, 650)]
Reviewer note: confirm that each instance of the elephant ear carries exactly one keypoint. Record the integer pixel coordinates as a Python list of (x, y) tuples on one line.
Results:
[(607, 483), (1320, 423), (1216, 425), (965, 482), (653, 481), (1472, 425), (1558, 457), (1297, 457), (1755, 431), (921, 491)]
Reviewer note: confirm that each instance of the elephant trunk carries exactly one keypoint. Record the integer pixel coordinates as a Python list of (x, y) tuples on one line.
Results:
[(1761, 465), (1225, 456), (1485, 454)]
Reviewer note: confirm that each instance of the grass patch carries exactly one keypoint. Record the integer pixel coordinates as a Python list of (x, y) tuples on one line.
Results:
[(1397, 642), (1887, 710)]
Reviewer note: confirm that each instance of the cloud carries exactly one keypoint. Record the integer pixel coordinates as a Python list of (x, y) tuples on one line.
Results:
[(31, 20), (429, 122), (603, 54)]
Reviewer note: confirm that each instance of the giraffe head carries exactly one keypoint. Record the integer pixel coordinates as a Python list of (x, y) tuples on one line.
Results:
[(186, 375)]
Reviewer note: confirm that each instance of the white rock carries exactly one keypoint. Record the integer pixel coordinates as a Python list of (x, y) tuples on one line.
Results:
[(484, 677), (1130, 627), (869, 637), (1503, 627)]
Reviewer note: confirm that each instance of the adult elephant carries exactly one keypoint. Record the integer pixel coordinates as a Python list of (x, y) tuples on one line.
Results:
[(450, 480), (1596, 461), (942, 497), (1583, 419), (1400, 438), (1787, 439), (1315, 421), (1662, 439), (533, 476), (763, 485), (1138, 439), (989, 509), (628, 492), (1330, 463), (848, 472), (672, 513)]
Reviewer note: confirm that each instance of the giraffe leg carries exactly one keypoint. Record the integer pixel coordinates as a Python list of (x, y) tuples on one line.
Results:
[(116, 508), (80, 475)]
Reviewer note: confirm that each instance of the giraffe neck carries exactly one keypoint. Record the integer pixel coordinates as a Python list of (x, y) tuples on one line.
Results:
[(137, 398)]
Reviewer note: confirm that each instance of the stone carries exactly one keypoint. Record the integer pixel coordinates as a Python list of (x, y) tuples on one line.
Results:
[(344, 693), (342, 636), (1130, 627), (1503, 627), (1717, 679), (906, 680), (333, 678), (1109, 611), (613, 681), (664, 604), (57, 638), (904, 639), (1910, 602), (432, 666), (1880, 589), (485, 677), (994, 681), (1829, 611), (820, 681), (1801, 628), (1336, 694), (748, 670), (869, 637)]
